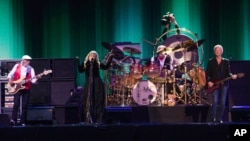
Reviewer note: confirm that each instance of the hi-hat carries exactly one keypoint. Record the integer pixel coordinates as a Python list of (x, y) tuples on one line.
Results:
[(131, 50)]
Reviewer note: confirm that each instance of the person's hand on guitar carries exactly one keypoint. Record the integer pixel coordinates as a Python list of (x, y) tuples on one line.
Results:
[(210, 84), (234, 76), (11, 83)]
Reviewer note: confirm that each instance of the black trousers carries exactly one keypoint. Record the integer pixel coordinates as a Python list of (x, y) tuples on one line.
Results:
[(21, 98)]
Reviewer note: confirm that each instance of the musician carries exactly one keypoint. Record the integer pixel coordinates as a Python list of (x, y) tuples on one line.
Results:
[(94, 91), (19, 73), (163, 59), (163, 62), (218, 68)]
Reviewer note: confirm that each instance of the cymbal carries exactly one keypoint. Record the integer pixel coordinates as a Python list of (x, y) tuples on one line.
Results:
[(108, 46), (192, 47), (183, 45), (112, 48), (131, 50), (189, 45), (118, 56)]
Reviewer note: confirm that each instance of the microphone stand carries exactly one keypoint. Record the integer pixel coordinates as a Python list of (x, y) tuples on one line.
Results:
[(90, 91)]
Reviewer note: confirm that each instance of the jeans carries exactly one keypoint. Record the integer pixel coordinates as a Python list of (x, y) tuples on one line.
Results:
[(219, 99)]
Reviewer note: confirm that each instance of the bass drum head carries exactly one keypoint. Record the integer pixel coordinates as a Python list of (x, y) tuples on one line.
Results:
[(182, 57), (144, 92)]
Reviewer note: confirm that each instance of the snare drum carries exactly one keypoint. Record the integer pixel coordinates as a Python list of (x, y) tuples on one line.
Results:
[(144, 92)]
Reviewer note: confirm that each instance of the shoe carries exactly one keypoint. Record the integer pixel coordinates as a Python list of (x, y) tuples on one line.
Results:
[(12, 122), (23, 124), (221, 121)]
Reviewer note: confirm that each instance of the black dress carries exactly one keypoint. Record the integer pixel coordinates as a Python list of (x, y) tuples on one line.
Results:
[(94, 88)]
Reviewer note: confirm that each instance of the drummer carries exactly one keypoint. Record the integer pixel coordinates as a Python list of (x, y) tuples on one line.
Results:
[(163, 59)]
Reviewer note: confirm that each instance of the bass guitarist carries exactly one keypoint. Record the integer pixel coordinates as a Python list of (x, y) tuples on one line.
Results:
[(20, 72), (218, 68)]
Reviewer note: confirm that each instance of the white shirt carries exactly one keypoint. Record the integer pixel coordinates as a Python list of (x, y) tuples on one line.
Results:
[(24, 70)]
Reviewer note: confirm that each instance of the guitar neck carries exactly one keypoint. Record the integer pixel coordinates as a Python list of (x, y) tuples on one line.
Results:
[(219, 82), (28, 80)]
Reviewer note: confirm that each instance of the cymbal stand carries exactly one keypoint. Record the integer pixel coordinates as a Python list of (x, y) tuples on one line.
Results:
[(198, 88), (179, 96), (165, 85), (174, 89), (123, 92), (185, 85)]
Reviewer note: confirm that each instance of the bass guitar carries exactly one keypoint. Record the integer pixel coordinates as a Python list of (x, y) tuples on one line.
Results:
[(14, 88), (218, 83)]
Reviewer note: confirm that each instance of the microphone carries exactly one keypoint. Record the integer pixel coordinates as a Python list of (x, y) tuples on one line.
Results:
[(92, 60)]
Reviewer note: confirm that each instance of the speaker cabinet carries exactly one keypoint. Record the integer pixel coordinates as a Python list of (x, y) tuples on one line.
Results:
[(67, 114), (40, 65), (4, 120), (39, 94), (60, 90), (240, 113), (64, 68), (40, 115)]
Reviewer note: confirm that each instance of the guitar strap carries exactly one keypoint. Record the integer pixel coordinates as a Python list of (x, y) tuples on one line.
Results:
[(221, 73), (28, 71), (28, 76)]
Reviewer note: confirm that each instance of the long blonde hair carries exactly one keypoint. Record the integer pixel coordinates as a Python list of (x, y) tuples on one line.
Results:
[(87, 58)]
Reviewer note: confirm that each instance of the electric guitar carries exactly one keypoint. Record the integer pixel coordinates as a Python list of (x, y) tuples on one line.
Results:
[(218, 83), (14, 88)]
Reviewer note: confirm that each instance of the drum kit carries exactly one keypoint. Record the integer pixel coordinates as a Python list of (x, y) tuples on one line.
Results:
[(131, 83)]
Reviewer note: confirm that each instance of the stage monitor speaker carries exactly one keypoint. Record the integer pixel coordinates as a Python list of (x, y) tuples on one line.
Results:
[(4, 120), (118, 115), (40, 65), (39, 93), (40, 115), (64, 68), (60, 90), (240, 113)]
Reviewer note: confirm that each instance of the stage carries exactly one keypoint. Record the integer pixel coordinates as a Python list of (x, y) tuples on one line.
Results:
[(137, 123), (123, 132)]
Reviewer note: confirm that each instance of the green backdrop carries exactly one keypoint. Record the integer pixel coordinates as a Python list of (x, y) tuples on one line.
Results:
[(70, 28)]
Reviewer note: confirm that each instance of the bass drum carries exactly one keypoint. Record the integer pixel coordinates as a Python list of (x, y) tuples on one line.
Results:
[(178, 43), (144, 92)]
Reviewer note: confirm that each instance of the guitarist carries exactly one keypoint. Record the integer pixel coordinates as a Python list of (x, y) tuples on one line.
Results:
[(218, 68), (20, 72)]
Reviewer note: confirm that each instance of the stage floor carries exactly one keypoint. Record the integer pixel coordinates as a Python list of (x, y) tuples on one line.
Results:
[(140, 123), (125, 132)]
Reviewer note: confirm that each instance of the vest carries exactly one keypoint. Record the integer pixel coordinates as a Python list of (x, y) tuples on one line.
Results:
[(17, 75)]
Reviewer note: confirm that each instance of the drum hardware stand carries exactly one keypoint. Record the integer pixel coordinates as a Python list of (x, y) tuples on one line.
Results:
[(185, 85), (123, 96), (165, 86), (198, 87), (174, 89)]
